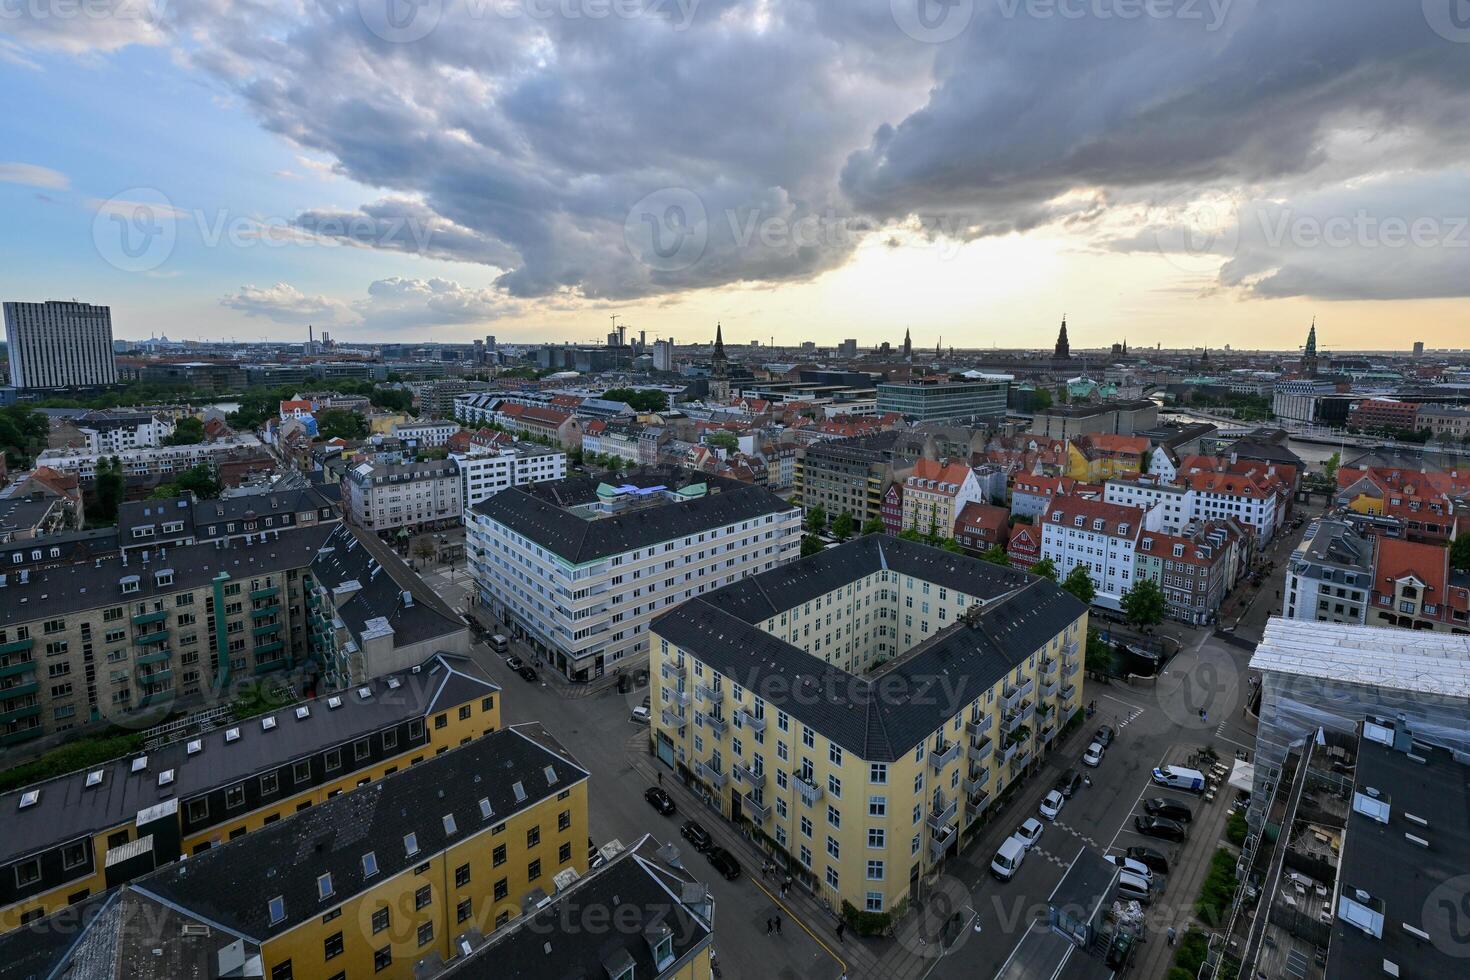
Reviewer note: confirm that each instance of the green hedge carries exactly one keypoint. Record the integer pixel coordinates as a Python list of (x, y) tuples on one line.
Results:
[(1235, 828), (70, 758), (1215, 896), (865, 923)]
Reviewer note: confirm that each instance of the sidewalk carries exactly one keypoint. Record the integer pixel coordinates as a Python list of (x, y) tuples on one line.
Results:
[(568, 690)]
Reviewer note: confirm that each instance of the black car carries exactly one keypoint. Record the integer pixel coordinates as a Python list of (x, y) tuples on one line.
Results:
[(659, 800), (1160, 807), (514, 663), (1150, 858), (724, 862), (1104, 736), (1160, 827), (527, 673), (695, 834), (1069, 782)]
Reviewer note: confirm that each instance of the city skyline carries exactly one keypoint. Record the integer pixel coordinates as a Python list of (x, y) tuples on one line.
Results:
[(382, 181)]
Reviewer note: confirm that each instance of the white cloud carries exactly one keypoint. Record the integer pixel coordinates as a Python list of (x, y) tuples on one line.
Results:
[(32, 175), (284, 303)]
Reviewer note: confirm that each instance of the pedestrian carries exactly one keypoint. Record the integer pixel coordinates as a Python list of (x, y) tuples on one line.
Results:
[(778, 925), (841, 928), (1171, 935), (660, 778), (770, 926)]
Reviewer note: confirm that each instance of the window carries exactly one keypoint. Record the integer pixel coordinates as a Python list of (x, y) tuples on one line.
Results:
[(462, 875), (268, 784), (301, 771), (533, 870), (877, 806), (497, 856), (235, 796), (502, 889), (382, 959), (334, 760), (877, 772), (281, 971), (332, 946), (564, 853), (533, 836), (380, 920), (462, 910), (27, 872), (422, 897), (426, 933), (877, 837)]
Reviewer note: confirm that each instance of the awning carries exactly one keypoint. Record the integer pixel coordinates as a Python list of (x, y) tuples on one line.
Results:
[(1243, 776)]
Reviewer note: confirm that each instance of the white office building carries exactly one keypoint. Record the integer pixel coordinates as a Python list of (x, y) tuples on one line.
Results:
[(1101, 536), (119, 431), (59, 345), (152, 461), (485, 471), (579, 568), (426, 434)]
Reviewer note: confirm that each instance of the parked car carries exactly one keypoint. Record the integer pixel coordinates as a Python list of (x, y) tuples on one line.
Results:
[(1160, 807), (1128, 864), (527, 673), (514, 663), (1051, 805), (659, 800), (499, 643), (1160, 827), (1093, 756), (1149, 858), (1069, 782), (1105, 736), (696, 835), (1134, 887), (1007, 860), (724, 862), (640, 715), (1029, 832)]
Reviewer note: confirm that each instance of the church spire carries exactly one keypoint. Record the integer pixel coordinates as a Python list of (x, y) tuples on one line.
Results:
[(719, 342), (1063, 349), (1309, 353), (908, 345)]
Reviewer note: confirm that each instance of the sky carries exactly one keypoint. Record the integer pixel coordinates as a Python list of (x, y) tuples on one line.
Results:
[(1175, 172)]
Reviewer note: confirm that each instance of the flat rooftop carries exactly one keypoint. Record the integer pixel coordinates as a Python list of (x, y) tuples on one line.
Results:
[(1404, 660)]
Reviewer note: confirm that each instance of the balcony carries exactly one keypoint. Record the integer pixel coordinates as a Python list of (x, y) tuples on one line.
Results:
[(1048, 666), (265, 611), (670, 670), (673, 717), (157, 678), (1009, 752), (16, 646), (264, 648), (1048, 691), (1016, 719), (19, 690), (268, 592), (21, 735), (748, 720), (810, 791), (1012, 696), (939, 842), (153, 657), (758, 812), (1046, 733), (941, 757), (977, 727), (709, 695), (1020, 761), (270, 665), (156, 616), (941, 813), (681, 698), (18, 667), (16, 714), (157, 636), (716, 724), (748, 776), (710, 775), (266, 630), (975, 804), (976, 780), (1069, 692), (981, 750)]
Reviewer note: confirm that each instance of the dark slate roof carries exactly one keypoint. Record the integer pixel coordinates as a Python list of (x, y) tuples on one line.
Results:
[(349, 557), (74, 546), (67, 809), (636, 881), (69, 589), (884, 714), (539, 512), (234, 883)]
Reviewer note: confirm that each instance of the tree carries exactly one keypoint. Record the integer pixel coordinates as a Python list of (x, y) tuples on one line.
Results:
[(392, 399), (1040, 399), (198, 480), (722, 440), (424, 550), (1079, 583), (23, 434), (1099, 655), (842, 526), (811, 544), (1460, 552), (874, 525), (640, 400), (996, 555), (187, 432), (1046, 568), (108, 487), (816, 518), (1143, 603), (1330, 467), (339, 423)]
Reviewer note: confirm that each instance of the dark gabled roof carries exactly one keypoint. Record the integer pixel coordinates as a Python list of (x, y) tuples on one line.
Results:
[(233, 884), (638, 889), (884, 714), (67, 809), (539, 511), (346, 556)]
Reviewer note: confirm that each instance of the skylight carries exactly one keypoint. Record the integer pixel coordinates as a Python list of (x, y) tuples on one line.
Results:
[(140, 763), (94, 778), (411, 843), (277, 908), (369, 864), (302, 711), (29, 798), (449, 825), (232, 734), (195, 746), (165, 778), (267, 723)]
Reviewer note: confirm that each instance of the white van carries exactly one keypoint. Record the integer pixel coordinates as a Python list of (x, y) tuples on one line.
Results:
[(1008, 859), (1178, 778), (498, 643), (1133, 887)]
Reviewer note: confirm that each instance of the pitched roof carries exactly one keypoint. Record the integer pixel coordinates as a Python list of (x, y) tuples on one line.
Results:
[(1118, 521), (1397, 559)]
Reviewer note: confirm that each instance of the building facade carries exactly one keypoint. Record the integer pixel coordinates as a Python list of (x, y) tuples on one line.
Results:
[(59, 345), (1101, 537), (413, 496), (935, 493), (941, 398), (119, 431), (860, 811), (580, 569), (487, 471), (155, 461), (1329, 576), (1193, 570), (850, 475), (429, 433)]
